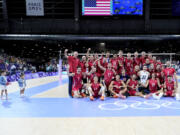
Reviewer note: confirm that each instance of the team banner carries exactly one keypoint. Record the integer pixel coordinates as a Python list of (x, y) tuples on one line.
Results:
[(34, 8), (112, 7)]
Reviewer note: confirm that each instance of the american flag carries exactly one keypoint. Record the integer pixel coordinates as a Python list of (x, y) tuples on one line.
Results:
[(97, 7)]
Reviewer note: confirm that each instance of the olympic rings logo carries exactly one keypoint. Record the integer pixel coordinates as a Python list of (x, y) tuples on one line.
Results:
[(140, 105)]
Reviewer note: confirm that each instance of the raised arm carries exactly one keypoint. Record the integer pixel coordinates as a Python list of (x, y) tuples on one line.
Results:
[(114, 71), (87, 54), (101, 67), (94, 63), (89, 73), (65, 53), (127, 83)]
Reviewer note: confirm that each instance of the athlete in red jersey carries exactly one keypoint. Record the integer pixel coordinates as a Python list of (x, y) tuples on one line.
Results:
[(159, 74), (83, 63), (91, 61), (108, 57), (92, 74), (154, 87), (96, 89), (170, 87), (114, 62), (132, 85), (95, 64), (159, 62), (96, 56), (120, 61), (77, 83), (150, 57), (118, 88), (151, 69), (108, 74), (154, 61), (129, 64), (99, 71), (143, 58), (105, 60), (73, 61), (137, 60), (169, 71), (136, 70)]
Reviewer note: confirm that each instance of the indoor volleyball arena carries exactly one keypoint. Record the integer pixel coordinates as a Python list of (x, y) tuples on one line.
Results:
[(89, 67)]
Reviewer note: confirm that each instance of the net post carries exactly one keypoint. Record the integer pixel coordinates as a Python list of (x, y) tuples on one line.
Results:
[(60, 68)]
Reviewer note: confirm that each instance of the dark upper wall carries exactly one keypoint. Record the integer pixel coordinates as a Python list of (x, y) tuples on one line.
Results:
[(63, 17)]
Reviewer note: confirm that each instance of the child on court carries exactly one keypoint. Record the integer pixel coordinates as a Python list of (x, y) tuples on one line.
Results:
[(3, 84), (22, 84)]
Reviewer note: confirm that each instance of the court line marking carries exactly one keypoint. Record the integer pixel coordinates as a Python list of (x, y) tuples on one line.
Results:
[(122, 105)]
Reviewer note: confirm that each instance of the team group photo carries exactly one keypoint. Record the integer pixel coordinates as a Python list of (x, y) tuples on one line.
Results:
[(89, 67), (120, 76)]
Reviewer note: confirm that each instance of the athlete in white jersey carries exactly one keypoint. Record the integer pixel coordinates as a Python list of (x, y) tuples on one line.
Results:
[(144, 75), (143, 83)]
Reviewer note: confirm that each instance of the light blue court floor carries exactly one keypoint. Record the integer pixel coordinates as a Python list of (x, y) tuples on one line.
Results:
[(68, 107)]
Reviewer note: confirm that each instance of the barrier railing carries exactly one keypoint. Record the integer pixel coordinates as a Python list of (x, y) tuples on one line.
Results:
[(15, 77)]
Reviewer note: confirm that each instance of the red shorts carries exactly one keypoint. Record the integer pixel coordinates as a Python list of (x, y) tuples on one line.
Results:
[(76, 88), (169, 93), (117, 91), (96, 94), (107, 84), (153, 91), (132, 93)]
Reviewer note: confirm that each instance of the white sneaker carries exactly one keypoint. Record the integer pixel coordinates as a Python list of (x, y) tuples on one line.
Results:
[(154, 96), (159, 96), (22, 95), (177, 97), (82, 90)]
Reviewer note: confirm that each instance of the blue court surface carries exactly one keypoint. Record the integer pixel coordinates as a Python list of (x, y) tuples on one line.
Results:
[(69, 107)]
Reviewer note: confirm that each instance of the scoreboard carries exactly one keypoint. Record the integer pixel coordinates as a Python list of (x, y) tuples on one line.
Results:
[(112, 7), (176, 7)]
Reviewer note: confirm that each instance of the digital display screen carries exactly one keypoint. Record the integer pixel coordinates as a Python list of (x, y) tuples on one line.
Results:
[(176, 7), (112, 7)]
